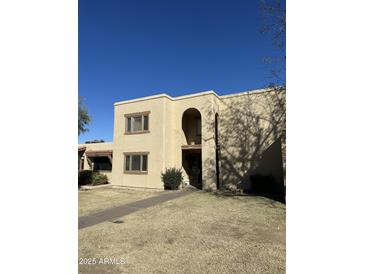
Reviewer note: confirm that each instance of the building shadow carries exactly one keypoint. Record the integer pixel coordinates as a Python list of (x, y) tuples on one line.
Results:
[(251, 144)]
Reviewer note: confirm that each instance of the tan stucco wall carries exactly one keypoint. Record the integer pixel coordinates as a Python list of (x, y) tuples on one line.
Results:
[(154, 143), (165, 137), (163, 142), (249, 124), (206, 105)]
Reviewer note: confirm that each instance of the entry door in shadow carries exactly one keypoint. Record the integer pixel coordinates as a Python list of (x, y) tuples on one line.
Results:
[(193, 167)]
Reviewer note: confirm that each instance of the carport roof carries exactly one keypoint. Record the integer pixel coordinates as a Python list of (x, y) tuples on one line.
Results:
[(98, 153)]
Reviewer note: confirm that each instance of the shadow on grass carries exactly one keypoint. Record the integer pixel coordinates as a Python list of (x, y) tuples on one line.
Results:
[(230, 194)]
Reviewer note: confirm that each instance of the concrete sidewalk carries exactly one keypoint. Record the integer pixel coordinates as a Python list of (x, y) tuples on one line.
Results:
[(123, 210)]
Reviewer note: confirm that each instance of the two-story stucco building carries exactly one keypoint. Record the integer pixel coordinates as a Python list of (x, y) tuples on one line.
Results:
[(216, 140)]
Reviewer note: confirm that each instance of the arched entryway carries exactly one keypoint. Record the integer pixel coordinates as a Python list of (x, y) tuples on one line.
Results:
[(191, 148)]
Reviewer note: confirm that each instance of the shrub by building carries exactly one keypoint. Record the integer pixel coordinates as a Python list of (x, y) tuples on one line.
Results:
[(172, 178), (90, 177)]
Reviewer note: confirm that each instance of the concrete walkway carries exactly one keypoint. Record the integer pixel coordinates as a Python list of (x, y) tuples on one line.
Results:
[(123, 210)]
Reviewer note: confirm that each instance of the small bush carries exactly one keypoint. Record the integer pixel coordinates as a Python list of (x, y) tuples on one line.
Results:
[(99, 179), (90, 177), (85, 177), (172, 178)]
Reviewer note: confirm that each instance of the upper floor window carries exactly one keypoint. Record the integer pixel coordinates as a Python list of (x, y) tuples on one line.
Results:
[(137, 122)]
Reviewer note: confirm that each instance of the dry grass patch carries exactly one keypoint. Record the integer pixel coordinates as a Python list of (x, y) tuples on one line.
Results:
[(91, 201), (197, 233)]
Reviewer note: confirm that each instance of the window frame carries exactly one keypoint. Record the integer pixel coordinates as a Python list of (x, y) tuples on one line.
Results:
[(131, 154), (131, 116)]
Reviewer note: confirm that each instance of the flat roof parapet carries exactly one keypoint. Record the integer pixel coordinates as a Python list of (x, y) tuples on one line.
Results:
[(202, 93)]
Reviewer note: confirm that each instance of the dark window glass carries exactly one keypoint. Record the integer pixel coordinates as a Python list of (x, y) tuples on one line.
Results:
[(136, 162), (129, 124), (144, 163), (102, 163), (127, 162), (145, 122)]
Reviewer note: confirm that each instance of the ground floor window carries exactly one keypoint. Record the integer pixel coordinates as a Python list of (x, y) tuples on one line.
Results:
[(136, 162), (102, 163)]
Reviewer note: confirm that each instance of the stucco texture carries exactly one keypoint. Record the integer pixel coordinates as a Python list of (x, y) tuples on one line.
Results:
[(247, 139)]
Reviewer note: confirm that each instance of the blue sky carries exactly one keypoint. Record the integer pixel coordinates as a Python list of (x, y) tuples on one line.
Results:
[(135, 48)]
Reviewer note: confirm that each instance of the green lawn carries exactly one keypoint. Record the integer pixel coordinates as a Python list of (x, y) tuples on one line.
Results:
[(197, 233)]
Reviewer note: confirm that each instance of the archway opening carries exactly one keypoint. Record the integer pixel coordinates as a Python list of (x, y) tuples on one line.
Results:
[(191, 147), (191, 126)]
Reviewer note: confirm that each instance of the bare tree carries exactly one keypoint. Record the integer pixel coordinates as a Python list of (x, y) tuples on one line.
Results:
[(274, 25)]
